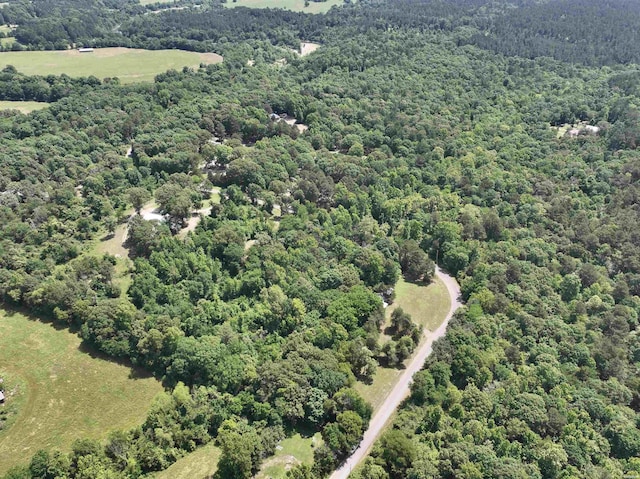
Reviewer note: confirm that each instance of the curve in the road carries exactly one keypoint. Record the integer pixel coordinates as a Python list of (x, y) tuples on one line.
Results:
[(401, 389)]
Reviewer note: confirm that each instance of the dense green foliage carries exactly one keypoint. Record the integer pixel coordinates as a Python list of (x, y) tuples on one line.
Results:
[(419, 145)]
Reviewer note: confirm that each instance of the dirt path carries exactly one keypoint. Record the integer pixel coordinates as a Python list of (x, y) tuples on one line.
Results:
[(401, 389), (194, 220)]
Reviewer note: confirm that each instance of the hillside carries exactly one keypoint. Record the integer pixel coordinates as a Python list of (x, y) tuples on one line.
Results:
[(434, 134)]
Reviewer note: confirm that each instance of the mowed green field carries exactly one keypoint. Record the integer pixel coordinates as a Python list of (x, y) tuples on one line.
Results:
[(200, 464), (129, 64), (291, 452), (293, 5), (23, 106), (69, 393), (428, 305)]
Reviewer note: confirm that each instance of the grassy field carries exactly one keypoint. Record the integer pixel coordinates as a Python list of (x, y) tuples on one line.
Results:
[(200, 464), (14, 390), (291, 451), (428, 306), (69, 393), (203, 463), (129, 64), (23, 106), (293, 5)]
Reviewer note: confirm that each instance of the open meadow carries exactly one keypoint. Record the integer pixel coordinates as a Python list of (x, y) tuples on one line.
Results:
[(23, 106), (130, 65), (293, 5), (68, 392)]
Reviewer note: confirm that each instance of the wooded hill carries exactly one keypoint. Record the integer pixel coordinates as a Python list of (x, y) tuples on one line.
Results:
[(418, 142)]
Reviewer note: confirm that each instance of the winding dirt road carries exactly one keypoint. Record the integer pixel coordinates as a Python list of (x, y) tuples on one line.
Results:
[(401, 389)]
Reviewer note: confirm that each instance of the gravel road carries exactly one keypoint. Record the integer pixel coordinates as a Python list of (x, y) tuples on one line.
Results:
[(401, 390)]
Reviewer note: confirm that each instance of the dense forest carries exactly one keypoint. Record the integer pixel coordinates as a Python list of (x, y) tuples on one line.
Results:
[(432, 135)]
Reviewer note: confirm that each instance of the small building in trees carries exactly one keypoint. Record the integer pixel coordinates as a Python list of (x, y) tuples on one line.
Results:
[(1, 397)]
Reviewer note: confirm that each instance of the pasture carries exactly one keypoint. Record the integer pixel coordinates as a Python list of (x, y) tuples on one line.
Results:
[(293, 5), (23, 106), (130, 65), (69, 392)]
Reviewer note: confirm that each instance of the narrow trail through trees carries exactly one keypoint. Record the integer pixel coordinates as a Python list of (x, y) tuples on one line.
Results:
[(401, 389)]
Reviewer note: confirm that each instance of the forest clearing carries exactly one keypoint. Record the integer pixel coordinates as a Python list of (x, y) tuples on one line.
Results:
[(70, 392), (23, 106), (130, 65), (400, 389), (428, 306), (293, 5)]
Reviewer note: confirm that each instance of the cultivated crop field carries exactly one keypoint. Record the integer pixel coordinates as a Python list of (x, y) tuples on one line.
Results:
[(129, 64), (68, 393), (293, 5)]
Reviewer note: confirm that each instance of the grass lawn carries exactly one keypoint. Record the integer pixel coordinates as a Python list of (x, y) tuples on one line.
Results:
[(129, 64), (428, 305), (70, 393), (23, 106), (291, 451), (294, 5), (200, 464)]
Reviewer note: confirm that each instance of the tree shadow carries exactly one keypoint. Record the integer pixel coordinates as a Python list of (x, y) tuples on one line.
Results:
[(420, 282), (11, 310), (135, 372), (389, 331), (305, 429)]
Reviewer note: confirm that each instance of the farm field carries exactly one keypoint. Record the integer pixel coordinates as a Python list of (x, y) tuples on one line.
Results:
[(130, 65), (69, 392), (293, 5), (428, 305), (23, 106)]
